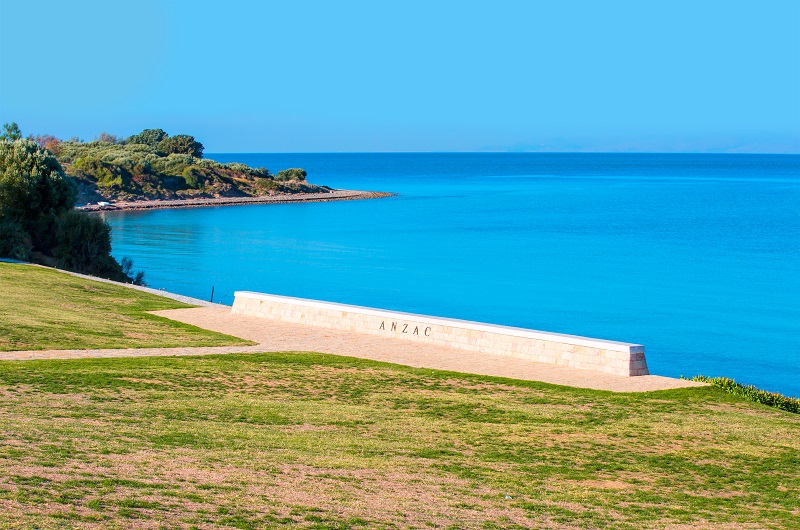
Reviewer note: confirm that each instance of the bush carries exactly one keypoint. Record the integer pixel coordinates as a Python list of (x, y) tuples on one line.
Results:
[(127, 269), (107, 175), (180, 144), (48, 141), (752, 393), (264, 185), (32, 182), (15, 243), (108, 138), (83, 244), (294, 173), (193, 177), (149, 137)]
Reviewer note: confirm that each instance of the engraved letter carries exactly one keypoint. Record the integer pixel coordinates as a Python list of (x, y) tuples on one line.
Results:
[(382, 327), (405, 326), (394, 326), (428, 332), (416, 330)]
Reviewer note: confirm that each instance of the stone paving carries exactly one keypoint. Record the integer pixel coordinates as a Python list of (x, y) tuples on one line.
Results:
[(280, 336)]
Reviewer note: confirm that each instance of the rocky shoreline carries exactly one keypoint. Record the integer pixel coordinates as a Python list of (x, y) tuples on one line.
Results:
[(152, 204)]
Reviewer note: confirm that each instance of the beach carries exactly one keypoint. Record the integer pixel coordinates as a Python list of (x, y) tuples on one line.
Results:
[(154, 204)]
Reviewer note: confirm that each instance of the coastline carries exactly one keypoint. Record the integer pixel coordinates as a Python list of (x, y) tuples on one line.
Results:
[(153, 204)]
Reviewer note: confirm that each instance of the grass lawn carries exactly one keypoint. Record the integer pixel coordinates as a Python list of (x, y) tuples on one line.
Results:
[(44, 309), (302, 439), (320, 441)]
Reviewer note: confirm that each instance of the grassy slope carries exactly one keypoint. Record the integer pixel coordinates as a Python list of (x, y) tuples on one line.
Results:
[(46, 309), (301, 439), (309, 439)]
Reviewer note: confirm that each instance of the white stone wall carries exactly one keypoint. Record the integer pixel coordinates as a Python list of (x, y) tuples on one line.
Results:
[(618, 358)]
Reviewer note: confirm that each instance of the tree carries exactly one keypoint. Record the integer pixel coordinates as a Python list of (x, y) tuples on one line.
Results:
[(293, 173), (32, 183), (83, 244), (11, 132), (149, 137), (48, 141), (37, 213), (181, 144), (108, 138), (15, 243), (127, 269)]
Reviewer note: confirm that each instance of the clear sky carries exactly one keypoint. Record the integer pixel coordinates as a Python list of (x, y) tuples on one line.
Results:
[(299, 76)]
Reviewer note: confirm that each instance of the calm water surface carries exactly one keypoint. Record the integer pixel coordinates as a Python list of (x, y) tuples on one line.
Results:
[(695, 256)]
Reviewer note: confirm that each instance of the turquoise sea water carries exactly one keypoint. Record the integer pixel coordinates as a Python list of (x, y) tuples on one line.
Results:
[(695, 256)]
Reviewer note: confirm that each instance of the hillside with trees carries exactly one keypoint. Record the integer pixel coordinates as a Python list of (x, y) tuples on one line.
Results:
[(154, 165)]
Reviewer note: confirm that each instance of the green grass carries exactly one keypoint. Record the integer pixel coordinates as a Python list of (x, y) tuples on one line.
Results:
[(43, 309), (318, 441)]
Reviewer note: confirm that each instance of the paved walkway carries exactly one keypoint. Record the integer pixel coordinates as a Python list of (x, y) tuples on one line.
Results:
[(279, 336)]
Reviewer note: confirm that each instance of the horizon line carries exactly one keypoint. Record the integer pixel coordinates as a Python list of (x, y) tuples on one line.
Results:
[(499, 152)]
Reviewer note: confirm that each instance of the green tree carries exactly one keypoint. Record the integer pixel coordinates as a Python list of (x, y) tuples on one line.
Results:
[(11, 132), (37, 213), (294, 173), (149, 137), (193, 177), (15, 243), (32, 183), (83, 244), (181, 144)]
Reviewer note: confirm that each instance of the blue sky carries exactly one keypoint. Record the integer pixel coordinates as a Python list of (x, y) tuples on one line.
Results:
[(250, 76)]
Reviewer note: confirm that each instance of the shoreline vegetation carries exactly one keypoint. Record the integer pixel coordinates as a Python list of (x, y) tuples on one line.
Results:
[(154, 166), (155, 170), (752, 393)]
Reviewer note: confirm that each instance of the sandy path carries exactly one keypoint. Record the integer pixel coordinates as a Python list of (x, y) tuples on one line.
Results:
[(279, 336)]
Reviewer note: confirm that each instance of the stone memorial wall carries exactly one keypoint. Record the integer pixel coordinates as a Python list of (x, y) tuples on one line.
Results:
[(606, 356)]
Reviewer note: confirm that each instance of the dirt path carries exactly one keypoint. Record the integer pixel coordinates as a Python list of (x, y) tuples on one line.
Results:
[(280, 336)]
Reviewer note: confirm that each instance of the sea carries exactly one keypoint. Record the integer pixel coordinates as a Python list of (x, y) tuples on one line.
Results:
[(696, 256)]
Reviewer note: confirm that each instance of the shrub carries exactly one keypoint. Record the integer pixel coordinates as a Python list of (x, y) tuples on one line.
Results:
[(107, 175), (752, 393), (32, 183), (193, 177), (108, 138), (294, 173), (264, 185), (126, 264), (48, 141), (15, 243), (83, 244), (149, 137), (172, 165), (180, 144)]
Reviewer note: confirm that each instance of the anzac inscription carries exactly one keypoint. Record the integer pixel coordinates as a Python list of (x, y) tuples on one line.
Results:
[(619, 358), (404, 328)]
